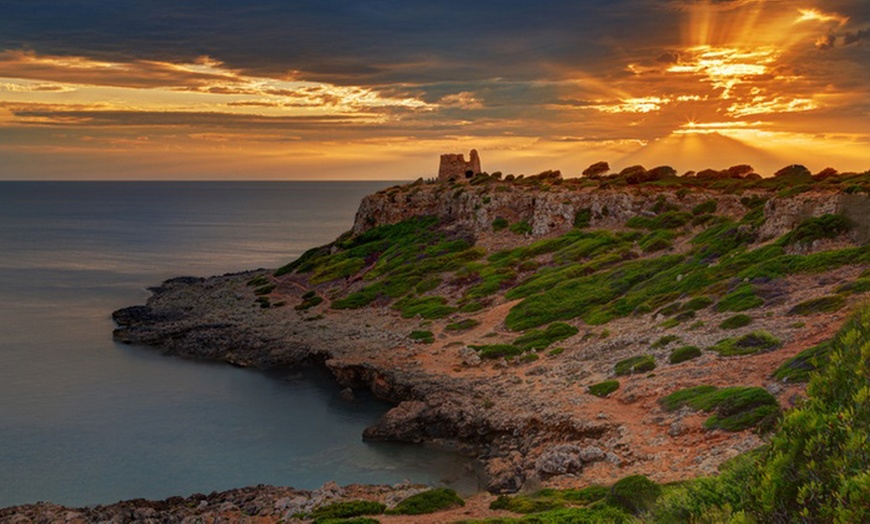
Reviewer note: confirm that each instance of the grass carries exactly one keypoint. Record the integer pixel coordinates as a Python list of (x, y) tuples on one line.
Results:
[(426, 307), (498, 350), (602, 389), (423, 337), (462, 325), (801, 366), (664, 341), (309, 300), (430, 501), (684, 353), (347, 509), (826, 304), (755, 342), (549, 499), (635, 365), (741, 299), (734, 408), (736, 321), (817, 228), (520, 228), (635, 494), (540, 339)]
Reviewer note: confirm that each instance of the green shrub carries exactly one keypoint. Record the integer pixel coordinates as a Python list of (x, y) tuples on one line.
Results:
[(424, 337), (430, 501), (520, 228), (497, 350), (343, 510), (635, 365), (818, 305), (540, 339), (549, 499), (499, 223), (602, 389), (667, 220), (656, 241), (265, 289), (634, 493), (462, 325), (735, 408), (800, 367), (427, 307), (705, 207), (737, 321), (684, 353), (664, 341), (816, 228), (259, 280), (582, 218), (471, 307), (862, 285), (428, 284), (755, 342), (697, 304), (309, 300), (741, 299)]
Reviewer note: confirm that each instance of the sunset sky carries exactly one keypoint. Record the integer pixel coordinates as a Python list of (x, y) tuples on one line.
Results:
[(327, 89)]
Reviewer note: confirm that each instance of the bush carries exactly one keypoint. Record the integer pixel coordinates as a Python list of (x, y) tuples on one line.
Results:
[(735, 408), (706, 207), (430, 501), (498, 350), (499, 223), (697, 304), (816, 228), (427, 307), (520, 228), (582, 218), (423, 337), (343, 510), (635, 365), (540, 339), (462, 325), (309, 300), (664, 341), (737, 321), (682, 354), (800, 367), (755, 342), (635, 493), (818, 305), (741, 299), (602, 389)]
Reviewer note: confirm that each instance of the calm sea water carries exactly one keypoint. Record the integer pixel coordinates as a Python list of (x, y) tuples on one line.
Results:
[(84, 420)]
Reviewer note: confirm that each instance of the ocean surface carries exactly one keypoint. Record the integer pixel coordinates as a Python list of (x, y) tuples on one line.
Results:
[(85, 421)]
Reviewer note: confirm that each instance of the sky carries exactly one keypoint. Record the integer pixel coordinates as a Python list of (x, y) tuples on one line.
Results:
[(342, 89)]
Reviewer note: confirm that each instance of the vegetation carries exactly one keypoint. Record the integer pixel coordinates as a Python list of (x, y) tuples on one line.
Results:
[(817, 228), (635, 365), (800, 367), (635, 494), (735, 408), (737, 321), (755, 342), (602, 389), (684, 353), (423, 337), (540, 339), (462, 325), (741, 299), (348, 509), (819, 305), (429, 501), (309, 300)]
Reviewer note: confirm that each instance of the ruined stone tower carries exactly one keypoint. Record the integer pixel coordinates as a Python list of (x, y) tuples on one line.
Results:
[(455, 167)]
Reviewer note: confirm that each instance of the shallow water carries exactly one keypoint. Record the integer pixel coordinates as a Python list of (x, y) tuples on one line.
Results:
[(84, 420)]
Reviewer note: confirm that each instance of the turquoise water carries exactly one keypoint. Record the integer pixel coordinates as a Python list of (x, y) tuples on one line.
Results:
[(84, 420)]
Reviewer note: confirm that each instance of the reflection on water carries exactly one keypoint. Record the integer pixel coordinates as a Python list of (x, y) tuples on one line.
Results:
[(85, 421)]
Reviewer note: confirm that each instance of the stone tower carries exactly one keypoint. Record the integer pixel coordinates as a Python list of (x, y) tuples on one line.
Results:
[(455, 167)]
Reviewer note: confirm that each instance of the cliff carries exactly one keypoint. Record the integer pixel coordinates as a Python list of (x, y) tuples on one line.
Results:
[(542, 324)]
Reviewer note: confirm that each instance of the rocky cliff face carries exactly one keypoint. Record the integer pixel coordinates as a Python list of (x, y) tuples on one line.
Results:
[(553, 211)]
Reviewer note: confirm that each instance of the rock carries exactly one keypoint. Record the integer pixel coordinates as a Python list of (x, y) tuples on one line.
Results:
[(559, 460), (591, 454), (504, 475), (469, 357), (347, 394)]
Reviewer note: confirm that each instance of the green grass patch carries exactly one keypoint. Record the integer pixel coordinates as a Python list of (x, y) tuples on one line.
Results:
[(428, 285), (549, 499), (520, 228), (741, 299), (755, 342), (736, 321), (635, 494), (538, 339), (705, 207), (582, 217), (635, 365), (259, 280), (265, 289), (602, 389), (801, 366), (656, 241), (817, 228), (431, 501), (427, 307), (684, 353), (348, 509), (826, 304), (423, 337), (499, 223), (697, 304), (735, 408), (862, 285), (309, 300), (462, 325), (666, 220), (664, 341), (498, 350)]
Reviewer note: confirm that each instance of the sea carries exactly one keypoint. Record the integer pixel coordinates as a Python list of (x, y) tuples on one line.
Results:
[(85, 420)]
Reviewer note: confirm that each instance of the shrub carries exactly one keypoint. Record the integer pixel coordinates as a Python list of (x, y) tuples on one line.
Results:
[(540, 339), (427, 307), (265, 290), (735, 408), (684, 353), (582, 217), (708, 206), (635, 493), (462, 325), (741, 299), (430, 501), (309, 300), (343, 510), (862, 285), (755, 342), (520, 228), (737, 321), (549, 499), (499, 223), (497, 350), (428, 285), (259, 280), (602, 389), (634, 365), (656, 241), (816, 228), (799, 367), (423, 337), (697, 304), (664, 341), (818, 305)]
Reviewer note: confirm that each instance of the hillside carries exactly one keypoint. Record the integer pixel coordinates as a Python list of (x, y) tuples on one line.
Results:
[(566, 333)]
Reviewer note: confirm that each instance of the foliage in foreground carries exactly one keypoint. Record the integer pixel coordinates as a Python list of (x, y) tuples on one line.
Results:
[(428, 502)]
